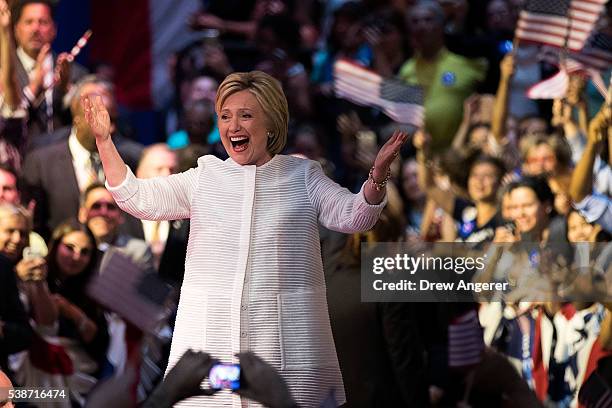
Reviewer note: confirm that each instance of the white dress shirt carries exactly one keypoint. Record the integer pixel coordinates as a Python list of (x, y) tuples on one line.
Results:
[(81, 162)]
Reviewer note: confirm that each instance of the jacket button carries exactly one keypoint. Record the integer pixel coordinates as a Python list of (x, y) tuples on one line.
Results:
[(243, 334)]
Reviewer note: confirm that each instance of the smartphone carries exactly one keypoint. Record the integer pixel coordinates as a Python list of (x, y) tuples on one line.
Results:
[(225, 376), (511, 226), (31, 253)]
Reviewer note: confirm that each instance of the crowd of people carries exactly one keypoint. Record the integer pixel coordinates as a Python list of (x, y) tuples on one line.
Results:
[(489, 167)]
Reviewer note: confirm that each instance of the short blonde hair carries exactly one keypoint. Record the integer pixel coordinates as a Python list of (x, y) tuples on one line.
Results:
[(12, 210), (269, 93)]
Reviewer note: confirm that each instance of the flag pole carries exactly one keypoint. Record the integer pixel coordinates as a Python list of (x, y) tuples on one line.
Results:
[(80, 44)]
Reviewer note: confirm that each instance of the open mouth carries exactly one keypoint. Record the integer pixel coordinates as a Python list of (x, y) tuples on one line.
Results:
[(239, 143)]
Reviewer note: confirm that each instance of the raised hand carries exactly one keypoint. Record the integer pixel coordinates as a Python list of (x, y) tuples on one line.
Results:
[(40, 70), (263, 383), (506, 67), (97, 116), (388, 153), (562, 113), (183, 381), (5, 15), (599, 124), (32, 269), (62, 70), (421, 140)]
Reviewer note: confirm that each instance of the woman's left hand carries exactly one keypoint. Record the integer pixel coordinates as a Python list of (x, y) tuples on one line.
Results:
[(388, 153)]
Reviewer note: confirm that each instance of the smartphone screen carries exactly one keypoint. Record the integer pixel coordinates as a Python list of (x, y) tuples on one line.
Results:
[(225, 376)]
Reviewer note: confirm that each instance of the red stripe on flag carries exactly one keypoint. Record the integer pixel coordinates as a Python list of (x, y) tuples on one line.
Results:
[(529, 20), (124, 41)]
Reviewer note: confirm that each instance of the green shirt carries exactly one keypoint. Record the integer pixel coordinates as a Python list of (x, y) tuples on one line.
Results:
[(447, 81)]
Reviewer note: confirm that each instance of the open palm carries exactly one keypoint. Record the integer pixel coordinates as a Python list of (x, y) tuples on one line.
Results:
[(389, 151), (5, 14), (97, 116)]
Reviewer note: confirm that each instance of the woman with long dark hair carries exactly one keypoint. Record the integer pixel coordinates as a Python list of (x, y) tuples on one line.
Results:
[(72, 261)]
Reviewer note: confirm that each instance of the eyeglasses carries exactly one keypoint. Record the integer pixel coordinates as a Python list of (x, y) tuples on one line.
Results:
[(98, 205), (75, 249)]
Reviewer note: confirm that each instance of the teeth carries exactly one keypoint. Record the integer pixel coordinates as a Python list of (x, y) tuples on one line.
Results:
[(238, 138)]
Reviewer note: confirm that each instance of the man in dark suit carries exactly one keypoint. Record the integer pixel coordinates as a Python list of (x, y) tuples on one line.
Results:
[(168, 239), (35, 68), (56, 175)]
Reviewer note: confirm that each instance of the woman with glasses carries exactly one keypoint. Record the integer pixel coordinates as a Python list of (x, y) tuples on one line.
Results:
[(81, 327)]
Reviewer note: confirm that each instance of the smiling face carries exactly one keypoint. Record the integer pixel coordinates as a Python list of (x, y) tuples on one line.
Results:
[(529, 210), (101, 214), (74, 253), (243, 129), (483, 182), (13, 236), (541, 159), (578, 229)]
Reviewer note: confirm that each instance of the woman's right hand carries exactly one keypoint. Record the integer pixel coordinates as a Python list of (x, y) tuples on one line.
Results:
[(506, 67), (97, 117), (32, 269), (504, 235)]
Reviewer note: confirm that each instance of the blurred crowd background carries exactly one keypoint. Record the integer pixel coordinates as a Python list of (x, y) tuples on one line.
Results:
[(487, 165)]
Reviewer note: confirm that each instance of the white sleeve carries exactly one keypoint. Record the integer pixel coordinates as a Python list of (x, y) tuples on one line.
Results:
[(339, 209), (159, 198)]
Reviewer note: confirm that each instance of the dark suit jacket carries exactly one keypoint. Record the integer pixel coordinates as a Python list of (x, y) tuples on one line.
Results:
[(172, 263), (16, 331), (51, 181)]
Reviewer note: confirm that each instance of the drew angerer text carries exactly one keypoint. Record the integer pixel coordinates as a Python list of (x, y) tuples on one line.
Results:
[(424, 285)]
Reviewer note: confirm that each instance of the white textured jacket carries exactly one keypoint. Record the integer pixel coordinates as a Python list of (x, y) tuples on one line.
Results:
[(253, 274)]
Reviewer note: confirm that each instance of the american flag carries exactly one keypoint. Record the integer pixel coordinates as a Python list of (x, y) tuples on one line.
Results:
[(554, 87), (134, 294), (590, 61), (560, 23), (597, 52), (401, 102)]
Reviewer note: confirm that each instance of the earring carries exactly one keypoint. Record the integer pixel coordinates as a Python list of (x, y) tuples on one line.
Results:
[(269, 134)]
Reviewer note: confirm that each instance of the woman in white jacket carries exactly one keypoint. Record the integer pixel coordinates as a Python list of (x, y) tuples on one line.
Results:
[(253, 275)]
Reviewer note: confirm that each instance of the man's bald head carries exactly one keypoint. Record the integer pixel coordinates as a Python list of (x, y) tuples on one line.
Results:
[(157, 160)]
